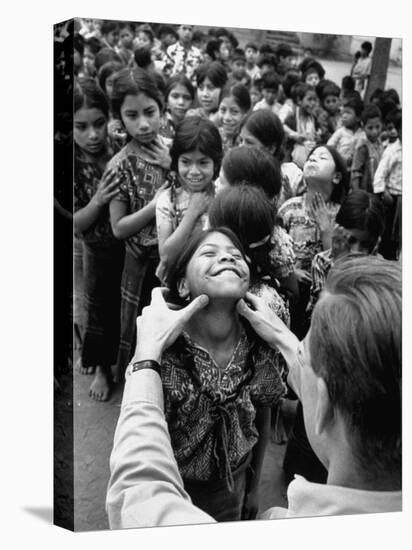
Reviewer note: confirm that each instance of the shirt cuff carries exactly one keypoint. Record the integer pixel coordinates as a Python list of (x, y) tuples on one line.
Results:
[(144, 385)]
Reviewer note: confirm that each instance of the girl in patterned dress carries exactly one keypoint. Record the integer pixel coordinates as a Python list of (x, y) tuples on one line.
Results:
[(219, 381), (196, 156), (140, 170), (101, 255)]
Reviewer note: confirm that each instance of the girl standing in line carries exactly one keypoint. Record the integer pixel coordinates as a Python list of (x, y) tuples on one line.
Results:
[(140, 170), (102, 254)]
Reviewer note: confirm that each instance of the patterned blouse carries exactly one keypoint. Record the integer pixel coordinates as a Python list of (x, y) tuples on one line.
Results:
[(138, 182), (303, 229), (211, 411), (185, 60), (282, 255), (87, 176)]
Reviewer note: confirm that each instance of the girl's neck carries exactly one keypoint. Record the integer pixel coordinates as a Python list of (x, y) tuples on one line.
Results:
[(216, 327), (314, 187)]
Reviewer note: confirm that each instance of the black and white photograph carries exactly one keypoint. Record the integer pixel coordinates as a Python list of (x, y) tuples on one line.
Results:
[(236, 210), (206, 287)]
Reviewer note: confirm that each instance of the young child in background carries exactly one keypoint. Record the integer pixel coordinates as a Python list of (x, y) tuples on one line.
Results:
[(196, 156), (102, 257), (109, 34), (179, 97), (144, 37), (345, 138), (288, 108), (270, 91), (140, 170), (185, 57), (91, 49), (238, 73), (125, 46), (251, 55), (329, 116), (255, 91), (388, 184), (368, 151), (348, 89), (234, 106), (312, 72), (211, 78), (362, 68), (266, 62), (302, 128)]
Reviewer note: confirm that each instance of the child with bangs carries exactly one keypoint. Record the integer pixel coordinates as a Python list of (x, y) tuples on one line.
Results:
[(234, 105), (181, 208)]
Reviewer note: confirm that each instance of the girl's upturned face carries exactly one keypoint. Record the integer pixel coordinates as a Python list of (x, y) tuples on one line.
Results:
[(320, 166), (179, 101), (141, 117), (230, 116), (208, 96), (90, 130), (217, 269), (221, 182), (309, 102), (195, 170)]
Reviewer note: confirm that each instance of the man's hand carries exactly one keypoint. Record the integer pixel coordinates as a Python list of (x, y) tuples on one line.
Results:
[(269, 326), (159, 326)]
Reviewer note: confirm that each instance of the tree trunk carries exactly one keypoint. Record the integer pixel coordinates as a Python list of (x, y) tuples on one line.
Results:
[(379, 68)]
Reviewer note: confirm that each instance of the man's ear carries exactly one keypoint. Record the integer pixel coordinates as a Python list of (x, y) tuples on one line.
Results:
[(183, 289), (324, 413)]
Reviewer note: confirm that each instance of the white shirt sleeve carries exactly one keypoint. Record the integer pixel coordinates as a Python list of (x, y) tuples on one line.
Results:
[(145, 487)]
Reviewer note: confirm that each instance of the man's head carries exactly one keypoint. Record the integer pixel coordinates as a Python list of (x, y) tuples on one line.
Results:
[(354, 377)]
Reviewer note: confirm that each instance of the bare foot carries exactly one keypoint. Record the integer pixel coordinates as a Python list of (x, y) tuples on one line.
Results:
[(100, 387), (84, 370)]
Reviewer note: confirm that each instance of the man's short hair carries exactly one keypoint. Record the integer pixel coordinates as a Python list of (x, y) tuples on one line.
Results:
[(356, 347)]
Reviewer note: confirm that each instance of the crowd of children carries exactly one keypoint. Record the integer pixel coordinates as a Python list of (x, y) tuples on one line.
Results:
[(177, 130)]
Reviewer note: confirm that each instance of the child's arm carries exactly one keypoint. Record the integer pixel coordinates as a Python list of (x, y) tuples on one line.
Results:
[(171, 243), (382, 173), (289, 127), (85, 217), (334, 140)]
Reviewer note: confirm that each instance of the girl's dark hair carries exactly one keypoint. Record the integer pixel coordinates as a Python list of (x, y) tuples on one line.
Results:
[(367, 46), (370, 111), (107, 70), (326, 88), (93, 44), (109, 26), (240, 94), (248, 212), (271, 80), (253, 166), (105, 55), (291, 78), (89, 95), (267, 128), (348, 83), (393, 95), (213, 47), (356, 104), (309, 64), (143, 56), (341, 188), (214, 71), (363, 211), (178, 269), (195, 133), (133, 82), (183, 81), (267, 59)]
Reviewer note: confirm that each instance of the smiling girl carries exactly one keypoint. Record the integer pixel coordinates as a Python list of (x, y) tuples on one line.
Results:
[(234, 106), (219, 380), (196, 156)]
